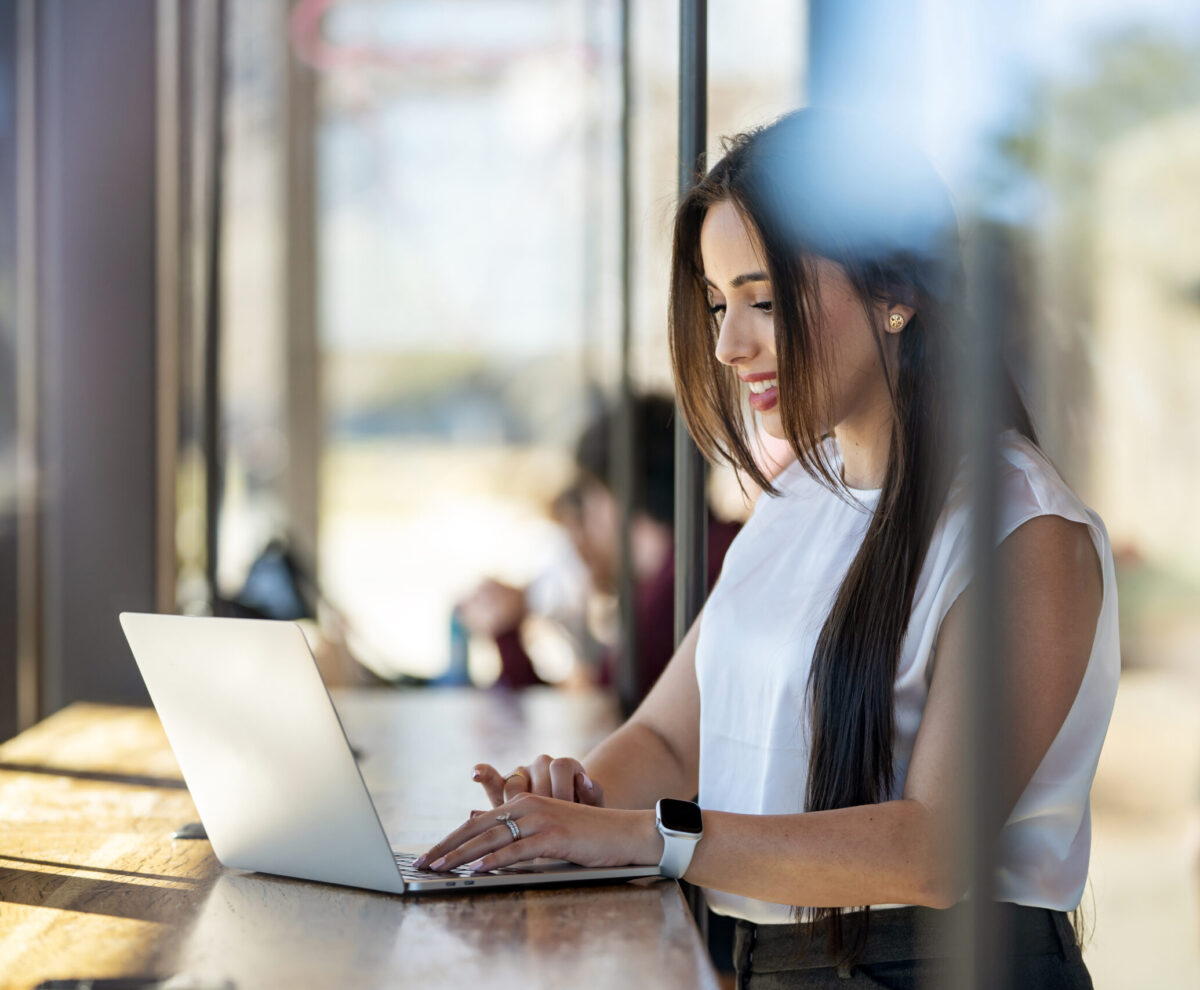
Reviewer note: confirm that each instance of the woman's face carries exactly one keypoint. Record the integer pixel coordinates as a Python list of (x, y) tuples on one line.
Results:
[(740, 296)]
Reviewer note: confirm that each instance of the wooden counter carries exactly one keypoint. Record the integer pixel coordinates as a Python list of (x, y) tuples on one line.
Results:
[(92, 885)]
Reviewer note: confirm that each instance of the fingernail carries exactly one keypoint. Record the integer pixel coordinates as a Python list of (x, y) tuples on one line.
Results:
[(419, 862), (478, 864), (475, 774), (588, 780), (476, 814), (437, 864)]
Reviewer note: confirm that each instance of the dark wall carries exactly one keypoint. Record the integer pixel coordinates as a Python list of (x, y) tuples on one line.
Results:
[(96, 73)]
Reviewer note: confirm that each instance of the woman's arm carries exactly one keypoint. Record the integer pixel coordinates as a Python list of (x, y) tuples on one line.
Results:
[(656, 753), (900, 851)]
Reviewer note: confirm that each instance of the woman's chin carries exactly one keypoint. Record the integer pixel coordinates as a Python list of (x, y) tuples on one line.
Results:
[(772, 425)]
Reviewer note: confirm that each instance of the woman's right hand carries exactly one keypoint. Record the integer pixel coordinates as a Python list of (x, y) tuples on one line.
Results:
[(561, 778)]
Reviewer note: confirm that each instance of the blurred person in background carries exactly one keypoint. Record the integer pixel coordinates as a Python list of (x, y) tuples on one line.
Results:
[(590, 513), (819, 706)]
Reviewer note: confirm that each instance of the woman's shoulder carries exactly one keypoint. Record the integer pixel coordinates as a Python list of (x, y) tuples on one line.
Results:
[(1030, 480), (1029, 485)]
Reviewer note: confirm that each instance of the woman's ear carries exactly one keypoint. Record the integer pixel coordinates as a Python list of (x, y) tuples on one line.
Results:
[(895, 316)]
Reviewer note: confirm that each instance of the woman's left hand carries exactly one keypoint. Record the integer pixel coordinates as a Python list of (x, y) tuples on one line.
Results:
[(549, 828)]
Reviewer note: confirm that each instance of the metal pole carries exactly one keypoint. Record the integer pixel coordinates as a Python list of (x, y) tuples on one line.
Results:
[(594, 211), (304, 413), (691, 517), (168, 277), (213, 459), (980, 400), (28, 486), (623, 452), (691, 565)]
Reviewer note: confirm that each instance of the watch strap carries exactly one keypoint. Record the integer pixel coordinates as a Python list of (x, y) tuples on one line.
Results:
[(677, 853)]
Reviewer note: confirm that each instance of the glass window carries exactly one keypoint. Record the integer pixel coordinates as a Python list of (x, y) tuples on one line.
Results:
[(253, 354), (469, 232), (1113, 356)]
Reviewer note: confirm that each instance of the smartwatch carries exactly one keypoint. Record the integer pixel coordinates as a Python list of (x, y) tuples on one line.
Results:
[(680, 825)]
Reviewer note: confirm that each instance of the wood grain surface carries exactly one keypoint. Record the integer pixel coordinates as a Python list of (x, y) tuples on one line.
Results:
[(92, 885)]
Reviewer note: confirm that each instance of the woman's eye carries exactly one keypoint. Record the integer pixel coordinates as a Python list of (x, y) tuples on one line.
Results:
[(716, 309), (766, 307)]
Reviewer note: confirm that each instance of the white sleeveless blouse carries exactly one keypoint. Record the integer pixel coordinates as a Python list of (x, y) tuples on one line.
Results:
[(761, 624)]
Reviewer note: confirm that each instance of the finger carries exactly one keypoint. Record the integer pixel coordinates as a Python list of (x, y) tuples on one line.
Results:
[(472, 827), (474, 848), (525, 848), (519, 781), (539, 776), (493, 783), (587, 791), (562, 778)]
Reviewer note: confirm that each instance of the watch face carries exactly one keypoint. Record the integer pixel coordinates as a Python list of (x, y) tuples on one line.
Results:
[(680, 816)]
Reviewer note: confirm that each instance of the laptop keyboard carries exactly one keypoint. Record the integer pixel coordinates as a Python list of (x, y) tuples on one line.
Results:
[(405, 862)]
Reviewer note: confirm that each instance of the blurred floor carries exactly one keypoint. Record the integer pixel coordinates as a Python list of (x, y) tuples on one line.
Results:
[(1143, 904)]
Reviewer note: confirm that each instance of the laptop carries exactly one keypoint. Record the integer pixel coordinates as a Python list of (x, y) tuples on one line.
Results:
[(269, 767)]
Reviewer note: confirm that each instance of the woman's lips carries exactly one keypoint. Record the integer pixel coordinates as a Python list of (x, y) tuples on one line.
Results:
[(765, 401)]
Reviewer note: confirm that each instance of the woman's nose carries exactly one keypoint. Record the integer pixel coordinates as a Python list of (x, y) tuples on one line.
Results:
[(736, 343)]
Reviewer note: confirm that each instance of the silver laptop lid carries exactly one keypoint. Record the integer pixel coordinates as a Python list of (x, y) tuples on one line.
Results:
[(261, 748)]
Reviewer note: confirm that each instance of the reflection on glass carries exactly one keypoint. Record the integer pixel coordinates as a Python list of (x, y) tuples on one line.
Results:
[(1102, 162), (469, 227)]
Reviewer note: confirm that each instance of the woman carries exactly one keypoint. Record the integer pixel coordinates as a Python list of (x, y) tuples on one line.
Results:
[(817, 706)]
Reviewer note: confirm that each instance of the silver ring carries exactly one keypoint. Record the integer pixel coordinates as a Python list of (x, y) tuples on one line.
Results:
[(512, 826)]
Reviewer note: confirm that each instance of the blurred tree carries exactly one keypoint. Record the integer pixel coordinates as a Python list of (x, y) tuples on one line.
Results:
[(1123, 81)]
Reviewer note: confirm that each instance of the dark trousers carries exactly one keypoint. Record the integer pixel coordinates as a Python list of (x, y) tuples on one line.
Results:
[(907, 948)]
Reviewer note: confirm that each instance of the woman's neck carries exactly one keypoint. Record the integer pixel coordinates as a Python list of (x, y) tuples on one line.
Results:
[(865, 443)]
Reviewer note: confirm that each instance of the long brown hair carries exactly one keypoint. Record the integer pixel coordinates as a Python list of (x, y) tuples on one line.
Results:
[(820, 183)]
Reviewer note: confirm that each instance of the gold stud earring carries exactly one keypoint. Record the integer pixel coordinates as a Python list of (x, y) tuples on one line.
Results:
[(896, 321)]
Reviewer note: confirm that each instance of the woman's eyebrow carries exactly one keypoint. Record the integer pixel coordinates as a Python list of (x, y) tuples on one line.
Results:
[(741, 280)]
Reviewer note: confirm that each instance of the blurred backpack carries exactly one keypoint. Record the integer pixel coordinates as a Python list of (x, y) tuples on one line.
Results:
[(276, 587), (280, 586)]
